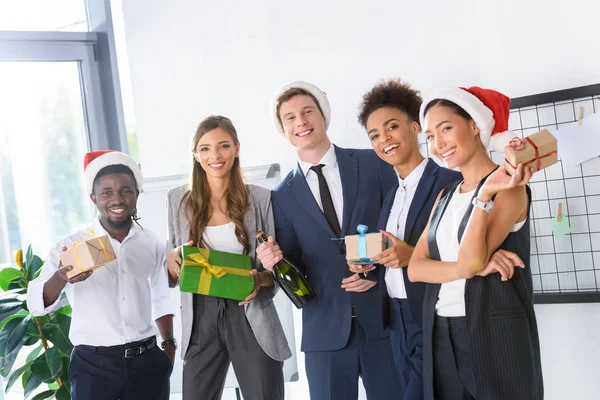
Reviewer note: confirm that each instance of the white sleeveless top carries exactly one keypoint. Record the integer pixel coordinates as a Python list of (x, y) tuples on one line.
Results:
[(222, 238), (451, 299)]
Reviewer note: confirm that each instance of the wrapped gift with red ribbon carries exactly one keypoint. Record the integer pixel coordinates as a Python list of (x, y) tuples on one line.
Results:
[(538, 151)]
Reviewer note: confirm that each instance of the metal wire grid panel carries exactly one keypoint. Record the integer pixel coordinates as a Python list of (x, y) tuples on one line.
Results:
[(565, 268)]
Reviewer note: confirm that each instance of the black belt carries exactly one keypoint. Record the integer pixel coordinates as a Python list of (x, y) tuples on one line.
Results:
[(128, 350)]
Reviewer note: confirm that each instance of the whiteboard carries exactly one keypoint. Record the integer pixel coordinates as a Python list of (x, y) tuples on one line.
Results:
[(152, 208)]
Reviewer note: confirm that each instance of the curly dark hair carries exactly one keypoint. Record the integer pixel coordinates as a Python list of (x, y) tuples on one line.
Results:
[(390, 93)]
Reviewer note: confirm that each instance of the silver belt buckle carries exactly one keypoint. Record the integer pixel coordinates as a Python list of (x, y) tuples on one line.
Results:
[(134, 351)]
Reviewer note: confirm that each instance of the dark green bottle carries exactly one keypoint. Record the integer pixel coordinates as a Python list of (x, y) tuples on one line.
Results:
[(290, 279)]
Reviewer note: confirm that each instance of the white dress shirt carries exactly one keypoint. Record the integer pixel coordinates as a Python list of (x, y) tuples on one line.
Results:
[(120, 301), (331, 172), (394, 279)]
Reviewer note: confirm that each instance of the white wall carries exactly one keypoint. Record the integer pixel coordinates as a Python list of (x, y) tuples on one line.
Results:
[(570, 351), (190, 58)]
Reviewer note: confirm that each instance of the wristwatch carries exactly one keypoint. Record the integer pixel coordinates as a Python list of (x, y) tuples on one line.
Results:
[(484, 205), (169, 341)]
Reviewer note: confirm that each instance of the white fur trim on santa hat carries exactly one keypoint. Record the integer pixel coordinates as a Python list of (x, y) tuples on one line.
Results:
[(481, 114), (500, 140), (107, 159), (309, 87)]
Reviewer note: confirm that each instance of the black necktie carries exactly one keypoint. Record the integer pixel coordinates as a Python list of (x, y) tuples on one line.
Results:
[(327, 201)]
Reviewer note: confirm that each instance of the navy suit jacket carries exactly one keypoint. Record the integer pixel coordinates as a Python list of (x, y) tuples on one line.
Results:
[(434, 179), (305, 238)]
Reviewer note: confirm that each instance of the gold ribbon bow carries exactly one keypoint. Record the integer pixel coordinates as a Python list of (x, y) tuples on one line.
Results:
[(210, 271), (90, 235)]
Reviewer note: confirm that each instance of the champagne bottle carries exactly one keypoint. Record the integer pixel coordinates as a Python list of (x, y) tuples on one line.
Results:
[(290, 279)]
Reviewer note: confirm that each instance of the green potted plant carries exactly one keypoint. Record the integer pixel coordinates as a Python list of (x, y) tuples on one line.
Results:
[(45, 339)]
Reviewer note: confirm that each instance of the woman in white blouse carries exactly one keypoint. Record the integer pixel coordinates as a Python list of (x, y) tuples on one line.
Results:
[(480, 332), (217, 210)]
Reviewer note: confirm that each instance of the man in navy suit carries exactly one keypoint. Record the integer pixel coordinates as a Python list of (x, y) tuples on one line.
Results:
[(390, 114), (326, 197)]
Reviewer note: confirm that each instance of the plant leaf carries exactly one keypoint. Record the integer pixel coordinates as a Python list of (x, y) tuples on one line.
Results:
[(12, 337), (28, 257), (65, 310), (18, 284), (34, 354), (44, 395), (34, 267), (13, 293), (19, 258), (57, 331), (21, 313), (6, 363), (30, 383), (13, 333), (7, 275), (30, 340), (65, 374), (14, 376), (48, 366), (8, 305), (63, 393)]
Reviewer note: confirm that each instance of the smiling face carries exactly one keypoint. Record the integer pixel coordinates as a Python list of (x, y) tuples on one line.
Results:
[(451, 137), (303, 123), (115, 196), (216, 153), (393, 135)]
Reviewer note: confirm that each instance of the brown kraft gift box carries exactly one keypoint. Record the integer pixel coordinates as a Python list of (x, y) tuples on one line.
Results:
[(376, 243), (88, 255), (538, 151)]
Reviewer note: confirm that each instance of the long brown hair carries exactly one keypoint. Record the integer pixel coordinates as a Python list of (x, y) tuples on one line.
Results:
[(197, 199)]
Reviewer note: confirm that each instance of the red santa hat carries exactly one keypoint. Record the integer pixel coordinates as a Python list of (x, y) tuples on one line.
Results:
[(489, 109), (320, 95), (94, 161)]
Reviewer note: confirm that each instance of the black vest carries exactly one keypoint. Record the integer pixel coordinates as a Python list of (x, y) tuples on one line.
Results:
[(501, 323)]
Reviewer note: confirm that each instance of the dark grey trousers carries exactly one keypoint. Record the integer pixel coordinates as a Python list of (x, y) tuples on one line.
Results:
[(453, 376), (221, 335)]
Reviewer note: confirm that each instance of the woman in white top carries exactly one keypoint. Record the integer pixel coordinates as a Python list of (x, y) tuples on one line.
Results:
[(480, 332), (217, 210)]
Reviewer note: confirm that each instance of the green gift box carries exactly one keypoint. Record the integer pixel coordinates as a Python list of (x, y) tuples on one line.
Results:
[(215, 273)]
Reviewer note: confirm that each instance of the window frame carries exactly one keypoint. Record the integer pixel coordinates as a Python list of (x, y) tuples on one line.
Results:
[(104, 130), (95, 53)]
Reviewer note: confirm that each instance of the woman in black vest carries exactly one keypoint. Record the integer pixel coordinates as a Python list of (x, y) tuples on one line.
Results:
[(480, 333)]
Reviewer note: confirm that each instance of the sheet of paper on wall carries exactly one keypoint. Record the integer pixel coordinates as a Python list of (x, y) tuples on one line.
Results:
[(578, 142), (560, 224)]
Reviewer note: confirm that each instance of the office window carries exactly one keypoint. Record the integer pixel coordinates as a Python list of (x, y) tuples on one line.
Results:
[(43, 15)]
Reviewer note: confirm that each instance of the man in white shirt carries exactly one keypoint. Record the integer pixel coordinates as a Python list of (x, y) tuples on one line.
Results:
[(116, 355), (326, 197)]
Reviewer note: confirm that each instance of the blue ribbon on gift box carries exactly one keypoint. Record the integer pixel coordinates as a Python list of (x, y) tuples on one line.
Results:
[(362, 245), (362, 242)]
